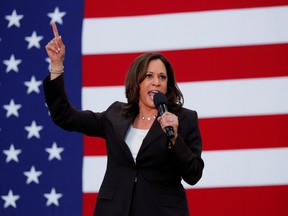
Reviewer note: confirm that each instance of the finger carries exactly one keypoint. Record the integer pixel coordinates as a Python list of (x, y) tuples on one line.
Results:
[(170, 118), (51, 48), (55, 30), (57, 45), (60, 41)]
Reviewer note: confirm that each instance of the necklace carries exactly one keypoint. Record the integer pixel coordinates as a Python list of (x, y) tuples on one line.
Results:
[(148, 118)]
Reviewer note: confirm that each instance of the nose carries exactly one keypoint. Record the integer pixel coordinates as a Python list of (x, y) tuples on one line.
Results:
[(156, 81)]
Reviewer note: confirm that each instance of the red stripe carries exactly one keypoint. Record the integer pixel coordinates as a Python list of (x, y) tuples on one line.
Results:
[(94, 146), (240, 201), (226, 133), (104, 8), (89, 200), (244, 132), (195, 65)]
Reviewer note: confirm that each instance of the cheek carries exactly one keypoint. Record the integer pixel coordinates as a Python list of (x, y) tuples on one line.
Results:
[(144, 87), (142, 93), (164, 87)]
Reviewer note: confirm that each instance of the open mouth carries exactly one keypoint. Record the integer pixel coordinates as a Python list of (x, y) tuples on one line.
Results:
[(152, 93)]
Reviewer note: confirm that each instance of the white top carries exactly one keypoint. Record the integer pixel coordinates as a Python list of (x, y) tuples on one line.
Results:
[(134, 139)]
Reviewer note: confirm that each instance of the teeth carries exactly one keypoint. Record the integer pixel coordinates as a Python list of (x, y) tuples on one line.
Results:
[(153, 92)]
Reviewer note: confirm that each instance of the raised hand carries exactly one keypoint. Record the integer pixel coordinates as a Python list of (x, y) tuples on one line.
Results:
[(56, 52)]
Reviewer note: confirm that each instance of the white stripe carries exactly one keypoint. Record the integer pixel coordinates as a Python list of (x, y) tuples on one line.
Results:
[(257, 167), (267, 25), (94, 168), (243, 97)]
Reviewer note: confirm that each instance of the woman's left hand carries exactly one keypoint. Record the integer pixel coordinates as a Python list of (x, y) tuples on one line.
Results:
[(169, 119)]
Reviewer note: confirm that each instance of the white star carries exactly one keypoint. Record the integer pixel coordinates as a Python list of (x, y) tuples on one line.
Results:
[(33, 130), (54, 152), (49, 62), (47, 109), (12, 154), (32, 175), (34, 40), (56, 16), (33, 85), (52, 197), (10, 199), (12, 63), (14, 19), (12, 108)]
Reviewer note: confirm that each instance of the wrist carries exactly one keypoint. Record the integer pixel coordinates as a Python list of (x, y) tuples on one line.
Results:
[(57, 70), (56, 64)]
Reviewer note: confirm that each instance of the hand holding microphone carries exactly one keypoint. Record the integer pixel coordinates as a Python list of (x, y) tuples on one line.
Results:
[(167, 120)]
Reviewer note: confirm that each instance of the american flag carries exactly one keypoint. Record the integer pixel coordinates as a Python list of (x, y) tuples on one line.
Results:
[(40, 164), (231, 63)]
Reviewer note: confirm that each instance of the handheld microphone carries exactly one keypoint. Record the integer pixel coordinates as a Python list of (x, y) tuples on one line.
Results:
[(160, 102)]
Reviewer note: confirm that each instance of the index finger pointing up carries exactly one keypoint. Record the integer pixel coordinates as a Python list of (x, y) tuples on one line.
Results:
[(55, 30)]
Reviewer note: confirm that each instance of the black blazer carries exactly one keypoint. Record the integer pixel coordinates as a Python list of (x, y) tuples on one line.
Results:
[(151, 186)]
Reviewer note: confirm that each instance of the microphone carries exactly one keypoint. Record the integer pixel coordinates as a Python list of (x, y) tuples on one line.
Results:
[(160, 102)]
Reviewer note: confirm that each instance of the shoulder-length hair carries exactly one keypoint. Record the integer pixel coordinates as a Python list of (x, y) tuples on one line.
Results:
[(136, 74)]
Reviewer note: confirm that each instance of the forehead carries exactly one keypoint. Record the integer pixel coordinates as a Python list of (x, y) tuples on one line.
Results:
[(156, 65)]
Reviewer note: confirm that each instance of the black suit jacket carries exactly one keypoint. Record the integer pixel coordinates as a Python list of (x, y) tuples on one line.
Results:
[(151, 186)]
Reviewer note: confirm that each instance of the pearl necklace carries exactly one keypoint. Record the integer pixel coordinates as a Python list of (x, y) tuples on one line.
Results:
[(148, 118)]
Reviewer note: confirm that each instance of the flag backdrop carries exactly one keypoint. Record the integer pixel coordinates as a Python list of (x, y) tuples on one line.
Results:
[(231, 63)]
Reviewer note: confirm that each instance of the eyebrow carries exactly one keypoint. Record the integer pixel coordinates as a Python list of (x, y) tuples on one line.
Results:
[(154, 72)]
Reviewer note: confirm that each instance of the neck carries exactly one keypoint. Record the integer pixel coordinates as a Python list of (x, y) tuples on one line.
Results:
[(147, 118), (147, 113)]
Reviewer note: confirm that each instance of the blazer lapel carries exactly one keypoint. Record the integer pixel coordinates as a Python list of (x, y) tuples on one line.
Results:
[(121, 128), (154, 132)]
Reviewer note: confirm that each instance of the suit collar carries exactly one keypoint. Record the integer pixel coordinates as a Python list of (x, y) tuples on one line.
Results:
[(121, 128), (154, 133)]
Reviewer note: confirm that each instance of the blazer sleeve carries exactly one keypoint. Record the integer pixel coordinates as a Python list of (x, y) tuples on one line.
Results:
[(65, 115), (188, 148)]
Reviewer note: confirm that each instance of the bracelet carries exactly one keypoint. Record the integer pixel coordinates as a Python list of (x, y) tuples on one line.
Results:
[(57, 71)]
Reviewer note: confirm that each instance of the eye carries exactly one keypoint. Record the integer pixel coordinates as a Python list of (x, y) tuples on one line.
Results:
[(148, 76), (163, 77)]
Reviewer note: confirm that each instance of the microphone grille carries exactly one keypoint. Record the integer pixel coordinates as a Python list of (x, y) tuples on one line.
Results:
[(159, 98)]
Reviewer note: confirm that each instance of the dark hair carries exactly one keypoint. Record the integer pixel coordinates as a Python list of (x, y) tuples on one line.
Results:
[(136, 74)]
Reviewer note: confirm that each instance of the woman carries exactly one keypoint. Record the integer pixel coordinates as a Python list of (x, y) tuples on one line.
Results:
[(143, 176)]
